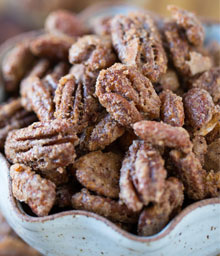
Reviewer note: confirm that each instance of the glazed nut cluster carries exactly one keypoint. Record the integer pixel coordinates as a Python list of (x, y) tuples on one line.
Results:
[(121, 118)]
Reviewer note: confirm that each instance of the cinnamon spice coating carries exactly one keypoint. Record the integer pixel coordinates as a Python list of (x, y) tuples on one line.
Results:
[(30, 188), (137, 41)]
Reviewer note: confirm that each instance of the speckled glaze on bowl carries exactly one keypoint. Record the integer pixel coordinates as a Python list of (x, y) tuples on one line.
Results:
[(195, 231)]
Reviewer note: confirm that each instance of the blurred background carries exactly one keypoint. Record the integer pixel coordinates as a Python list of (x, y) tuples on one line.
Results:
[(17, 16)]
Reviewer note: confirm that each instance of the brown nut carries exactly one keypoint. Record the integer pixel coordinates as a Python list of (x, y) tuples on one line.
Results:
[(99, 172), (161, 134), (199, 148), (13, 116), (103, 206), (30, 188), (93, 51), (43, 146), (212, 159), (39, 69), (154, 218), (58, 176), (172, 111), (127, 95), (64, 195), (168, 81), (137, 41)]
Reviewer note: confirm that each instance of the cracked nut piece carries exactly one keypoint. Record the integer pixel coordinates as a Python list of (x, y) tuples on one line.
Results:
[(171, 111), (161, 134), (51, 47), (30, 188), (99, 172), (75, 101), (210, 81), (43, 146), (36, 96), (212, 158), (137, 41), (93, 51), (190, 23), (142, 177), (154, 218), (64, 23), (103, 206), (13, 116), (16, 64), (127, 95)]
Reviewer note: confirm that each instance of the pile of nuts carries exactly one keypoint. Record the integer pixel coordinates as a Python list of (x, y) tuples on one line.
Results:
[(122, 119)]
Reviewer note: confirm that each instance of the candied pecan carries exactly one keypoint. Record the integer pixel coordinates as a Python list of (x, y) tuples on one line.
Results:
[(142, 176), (161, 134), (102, 26), (93, 51), (64, 195), (171, 111), (51, 46), (30, 188), (127, 95), (43, 146), (13, 116), (190, 23), (64, 23), (36, 97), (199, 148), (99, 172), (137, 41), (40, 68), (103, 206), (75, 101), (199, 107), (192, 175), (214, 51), (213, 184), (154, 218), (16, 64), (212, 158), (58, 176), (210, 81), (214, 134)]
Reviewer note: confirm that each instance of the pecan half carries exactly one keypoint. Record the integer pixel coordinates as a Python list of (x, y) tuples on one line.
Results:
[(51, 46), (142, 176), (212, 159), (190, 23), (127, 95), (13, 116), (103, 206), (102, 25), (154, 218), (161, 134), (16, 64), (99, 172), (75, 101), (40, 68), (30, 188), (93, 51), (137, 42), (172, 111), (43, 146)]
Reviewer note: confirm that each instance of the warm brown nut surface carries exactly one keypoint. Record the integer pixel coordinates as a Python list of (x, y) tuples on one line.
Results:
[(169, 81), (214, 51), (92, 51), (104, 133), (63, 22), (137, 42), (75, 101), (102, 26), (13, 116), (212, 158), (58, 176), (161, 134), (103, 206), (172, 111), (40, 68), (16, 64), (199, 148), (199, 107), (64, 195), (155, 217), (142, 176), (30, 188), (213, 184), (36, 96), (210, 81), (52, 47), (127, 95), (191, 173), (44, 146), (190, 23), (99, 172)]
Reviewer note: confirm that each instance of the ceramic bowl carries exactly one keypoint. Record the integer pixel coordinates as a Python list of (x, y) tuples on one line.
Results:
[(195, 231)]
